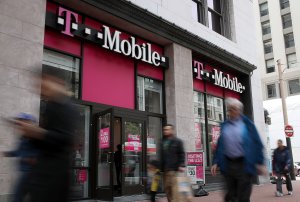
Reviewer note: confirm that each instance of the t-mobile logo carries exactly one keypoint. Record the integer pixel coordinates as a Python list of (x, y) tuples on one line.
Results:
[(68, 19)]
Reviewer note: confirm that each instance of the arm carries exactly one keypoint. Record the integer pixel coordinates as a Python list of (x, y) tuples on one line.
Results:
[(181, 154), (259, 146), (288, 162)]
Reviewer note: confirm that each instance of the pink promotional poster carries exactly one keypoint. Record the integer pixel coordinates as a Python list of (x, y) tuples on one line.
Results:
[(195, 166), (133, 143), (215, 132), (198, 141), (104, 138)]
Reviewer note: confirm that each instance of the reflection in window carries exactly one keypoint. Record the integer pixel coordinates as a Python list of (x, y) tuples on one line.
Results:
[(153, 138), (268, 47), (199, 115), (291, 60), (271, 91), (289, 40), (215, 118), (266, 29), (294, 87), (198, 11), (215, 15), (65, 67), (270, 66), (263, 9), (284, 4), (286, 21), (149, 95)]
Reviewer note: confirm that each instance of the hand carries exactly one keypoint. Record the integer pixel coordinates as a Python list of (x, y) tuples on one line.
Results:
[(30, 130), (213, 170), (181, 169), (262, 170)]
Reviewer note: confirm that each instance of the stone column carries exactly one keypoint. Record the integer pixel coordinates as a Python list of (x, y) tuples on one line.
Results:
[(179, 93), (21, 51)]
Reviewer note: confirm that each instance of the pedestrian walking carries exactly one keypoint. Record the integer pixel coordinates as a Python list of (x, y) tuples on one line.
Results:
[(27, 153), (118, 165), (239, 153), (173, 161), (54, 138), (282, 167), (153, 178)]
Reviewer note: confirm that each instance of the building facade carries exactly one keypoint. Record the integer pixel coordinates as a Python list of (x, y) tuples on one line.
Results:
[(131, 66), (278, 26)]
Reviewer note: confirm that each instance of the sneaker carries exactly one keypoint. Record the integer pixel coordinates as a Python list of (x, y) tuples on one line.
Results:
[(278, 194), (290, 193)]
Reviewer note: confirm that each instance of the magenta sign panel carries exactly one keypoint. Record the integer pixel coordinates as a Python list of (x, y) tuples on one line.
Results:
[(104, 138)]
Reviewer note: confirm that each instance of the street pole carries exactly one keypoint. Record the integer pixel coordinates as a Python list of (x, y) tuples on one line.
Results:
[(285, 116)]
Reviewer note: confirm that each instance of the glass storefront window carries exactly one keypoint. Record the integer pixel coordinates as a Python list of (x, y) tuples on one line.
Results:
[(215, 117), (199, 121), (154, 138), (149, 95), (80, 155), (132, 156), (65, 67)]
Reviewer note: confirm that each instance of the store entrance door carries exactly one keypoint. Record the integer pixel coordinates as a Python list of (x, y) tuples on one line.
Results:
[(105, 139), (133, 143)]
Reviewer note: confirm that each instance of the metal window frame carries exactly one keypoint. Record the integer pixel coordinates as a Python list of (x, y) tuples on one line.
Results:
[(288, 85), (275, 90), (285, 24), (288, 41)]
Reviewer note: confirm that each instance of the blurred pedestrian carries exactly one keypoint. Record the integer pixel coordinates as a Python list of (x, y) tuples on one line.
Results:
[(154, 178), (118, 164), (282, 167), (27, 153), (239, 153), (173, 161), (54, 139)]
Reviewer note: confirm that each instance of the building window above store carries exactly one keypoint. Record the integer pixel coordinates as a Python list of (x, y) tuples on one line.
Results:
[(270, 66), (268, 47), (294, 87), (289, 40), (149, 95), (286, 21), (266, 29), (271, 91), (214, 14), (291, 60), (263, 8), (198, 11), (65, 67), (284, 4)]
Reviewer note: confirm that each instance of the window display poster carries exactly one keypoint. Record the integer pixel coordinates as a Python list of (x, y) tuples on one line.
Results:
[(133, 143), (195, 166), (215, 132), (82, 175), (104, 138), (198, 140)]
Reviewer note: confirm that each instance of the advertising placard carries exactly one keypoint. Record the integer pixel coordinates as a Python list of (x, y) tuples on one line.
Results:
[(82, 175), (133, 143), (195, 166), (104, 138), (215, 132)]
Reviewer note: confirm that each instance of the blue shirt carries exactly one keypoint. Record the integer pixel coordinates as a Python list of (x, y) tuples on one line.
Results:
[(233, 140)]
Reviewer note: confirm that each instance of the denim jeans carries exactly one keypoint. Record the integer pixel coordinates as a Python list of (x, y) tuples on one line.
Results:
[(288, 182)]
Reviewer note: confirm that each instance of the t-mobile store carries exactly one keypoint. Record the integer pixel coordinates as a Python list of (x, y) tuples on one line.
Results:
[(123, 80)]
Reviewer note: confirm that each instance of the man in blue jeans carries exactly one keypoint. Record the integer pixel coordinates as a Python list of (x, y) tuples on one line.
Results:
[(282, 167), (27, 154)]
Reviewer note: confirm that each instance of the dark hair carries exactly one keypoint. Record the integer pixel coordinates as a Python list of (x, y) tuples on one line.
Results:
[(280, 140), (154, 163), (168, 124), (119, 147)]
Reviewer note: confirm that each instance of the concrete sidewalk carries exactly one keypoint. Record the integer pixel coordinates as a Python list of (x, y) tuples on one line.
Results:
[(261, 193)]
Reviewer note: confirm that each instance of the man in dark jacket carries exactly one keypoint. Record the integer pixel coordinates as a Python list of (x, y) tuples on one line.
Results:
[(282, 167), (54, 139), (173, 160), (27, 153), (239, 153)]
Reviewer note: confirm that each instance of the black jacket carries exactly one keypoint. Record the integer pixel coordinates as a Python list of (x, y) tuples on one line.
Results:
[(173, 156), (281, 160), (50, 177)]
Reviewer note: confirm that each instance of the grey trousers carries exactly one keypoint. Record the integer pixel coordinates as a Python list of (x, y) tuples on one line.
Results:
[(289, 186)]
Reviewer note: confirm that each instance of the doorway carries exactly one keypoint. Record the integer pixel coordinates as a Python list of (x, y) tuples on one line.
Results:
[(121, 155)]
